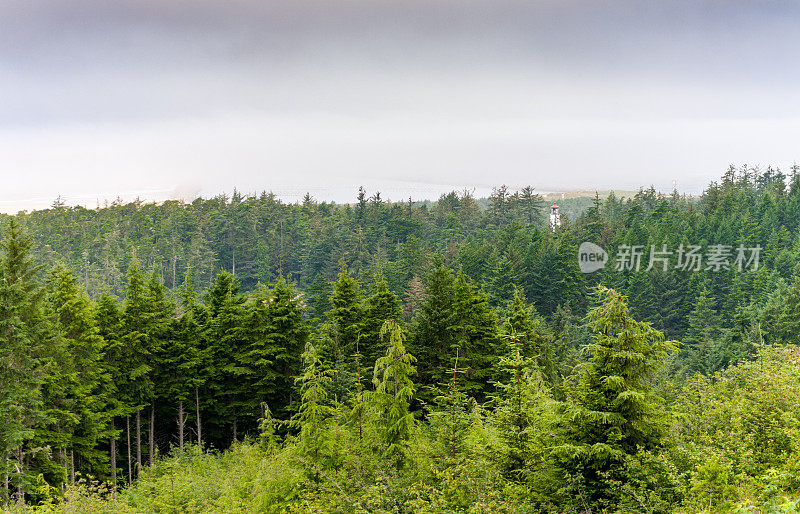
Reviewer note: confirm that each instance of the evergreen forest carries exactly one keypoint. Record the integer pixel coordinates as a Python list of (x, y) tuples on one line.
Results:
[(244, 354)]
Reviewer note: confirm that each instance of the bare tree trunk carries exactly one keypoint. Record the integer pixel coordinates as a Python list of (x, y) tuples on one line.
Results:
[(130, 460), (180, 424), (234, 430), (113, 452), (151, 440), (199, 425), (62, 452), (138, 442), (71, 466), (20, 470), (5, 484)]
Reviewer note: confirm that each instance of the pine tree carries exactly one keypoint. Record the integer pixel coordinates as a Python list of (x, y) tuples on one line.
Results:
[(145, 322), (642, 297), (703, 337), (276, 334), (787, 329), (451, 416), (592, 223), (611, 412), (522, 414), (225, 342), (474, 332), (414, 295), (318, 297), (394, 390), (290, 334), (345, 315), (431, 339), (531, 206), (79, 394), (161, 325), (22, 355), (534, 336), (110, 326), (499, 205), (185, 361), (256, 360), (502, 283), (557, 277), (314, 415), (378, 307), (195, 363)]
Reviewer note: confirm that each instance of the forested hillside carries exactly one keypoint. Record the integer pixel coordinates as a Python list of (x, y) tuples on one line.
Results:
[(384, 357)]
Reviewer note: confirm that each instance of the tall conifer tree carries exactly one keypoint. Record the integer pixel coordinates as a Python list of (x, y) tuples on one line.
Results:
[(611, 412)]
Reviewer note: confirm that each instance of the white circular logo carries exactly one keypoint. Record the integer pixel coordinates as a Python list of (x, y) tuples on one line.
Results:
[(591, 257)]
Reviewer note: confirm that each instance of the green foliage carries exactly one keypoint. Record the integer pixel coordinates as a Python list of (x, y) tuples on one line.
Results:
[(740, 429), (394, 390), (274, 347), (703, 337), (79, 395), (455, 315), (345, 315), (522, 416), (275, 334), (451, 416), (532, 334), (24, 353), (713, 486), (611, 411), (314, 415), (380, 306)]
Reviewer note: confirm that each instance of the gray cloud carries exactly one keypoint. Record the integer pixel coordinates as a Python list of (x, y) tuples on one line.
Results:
[(151, 95)]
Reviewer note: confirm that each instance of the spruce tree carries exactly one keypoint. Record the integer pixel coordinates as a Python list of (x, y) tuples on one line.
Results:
[(555, 276), (502, 283), (314, 415), (80, 392), (394, 390), (534, 336), (431, 340), (185, 361), (289, 335), (161, 325), (611, 411), (345, 315), (451, 416), (256, 360), (787, 328), (413, 297), (109, 323), (318, 297), (474, 332), (194, 363), (381, 305), (276, 334), (703, 338), (23, 356), (522, 414), (145, 322), (225, 339)]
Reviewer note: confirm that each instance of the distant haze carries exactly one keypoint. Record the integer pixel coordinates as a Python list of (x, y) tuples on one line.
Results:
[(178, 98)]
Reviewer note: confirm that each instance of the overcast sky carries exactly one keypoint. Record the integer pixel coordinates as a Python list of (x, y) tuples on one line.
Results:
[(174, 98)]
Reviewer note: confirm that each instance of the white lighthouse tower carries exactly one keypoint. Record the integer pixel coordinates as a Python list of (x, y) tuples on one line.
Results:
[(555, 219)]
